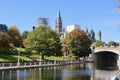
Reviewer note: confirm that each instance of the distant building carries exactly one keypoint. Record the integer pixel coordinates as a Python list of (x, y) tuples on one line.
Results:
[(72, 27), (3, 28), (58, 21), (41, 20), (99, 36), (91, 35)]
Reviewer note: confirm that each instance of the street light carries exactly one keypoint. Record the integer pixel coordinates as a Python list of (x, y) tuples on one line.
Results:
[(18, 52), (55, 59), (92, 49), (40, 59), (18, 59)]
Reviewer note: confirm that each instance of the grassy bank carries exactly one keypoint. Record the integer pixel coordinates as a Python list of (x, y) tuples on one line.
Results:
[(13, 56)]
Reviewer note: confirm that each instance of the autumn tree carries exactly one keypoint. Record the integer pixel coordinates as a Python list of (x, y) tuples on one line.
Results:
[(4, 41), (15, 36), (78, 43), (64, 48), (24, 37), (44, 40)]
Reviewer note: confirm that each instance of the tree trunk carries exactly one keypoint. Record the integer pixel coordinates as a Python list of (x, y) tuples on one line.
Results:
[(42, 56)]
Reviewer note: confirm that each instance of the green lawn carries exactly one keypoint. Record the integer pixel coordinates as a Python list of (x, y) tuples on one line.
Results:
[(14, 57), (4, 58)]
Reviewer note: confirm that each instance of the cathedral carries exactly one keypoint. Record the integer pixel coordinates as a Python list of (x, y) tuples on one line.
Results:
[(91, 35), (62, 33)]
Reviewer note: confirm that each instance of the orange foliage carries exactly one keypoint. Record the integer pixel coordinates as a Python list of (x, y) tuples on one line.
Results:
[(23, 43), (63, 40), (78, 32), (63, 49)]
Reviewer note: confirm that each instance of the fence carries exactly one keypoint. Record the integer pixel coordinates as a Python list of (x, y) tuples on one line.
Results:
[(30, 64)]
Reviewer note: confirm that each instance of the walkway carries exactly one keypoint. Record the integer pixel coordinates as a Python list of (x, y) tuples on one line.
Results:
[(4, 66)]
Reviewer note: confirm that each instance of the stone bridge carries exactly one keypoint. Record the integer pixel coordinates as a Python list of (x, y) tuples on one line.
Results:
[(106, 55), (110, 49)]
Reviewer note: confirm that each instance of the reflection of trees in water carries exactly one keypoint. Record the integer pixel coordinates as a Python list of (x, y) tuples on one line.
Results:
[(84, 77)]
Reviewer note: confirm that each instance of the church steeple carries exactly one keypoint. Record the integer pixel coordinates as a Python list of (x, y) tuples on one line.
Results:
[(59, 23), (59, 15)]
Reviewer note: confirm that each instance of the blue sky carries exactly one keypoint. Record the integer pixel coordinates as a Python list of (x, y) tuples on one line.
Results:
[(93, 14)]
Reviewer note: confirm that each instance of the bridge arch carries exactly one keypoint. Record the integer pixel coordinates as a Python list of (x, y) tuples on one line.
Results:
[(106, 58)]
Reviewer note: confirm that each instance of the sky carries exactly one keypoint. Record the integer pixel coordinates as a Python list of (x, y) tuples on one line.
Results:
[(91, 14)]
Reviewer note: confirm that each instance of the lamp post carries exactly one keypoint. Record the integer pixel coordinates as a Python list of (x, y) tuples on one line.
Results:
[(18, 63), (93, 67), (40, 59), (55, 59), (92, 49), (18, 52)]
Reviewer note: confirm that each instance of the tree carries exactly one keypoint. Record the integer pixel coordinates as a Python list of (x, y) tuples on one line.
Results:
[(44, 40), (78, 43), (4, 41), (113, 43), (15, 36), (64, 49), (99, 43), (24, 37)]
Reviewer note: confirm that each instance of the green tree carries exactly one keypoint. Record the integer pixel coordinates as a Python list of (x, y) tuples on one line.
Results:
[(4, 41), (15, 36), (78, 43), (44, 40), (113, 43), (99, 43)]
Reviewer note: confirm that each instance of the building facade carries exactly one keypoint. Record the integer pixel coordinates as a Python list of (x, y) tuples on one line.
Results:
[(91, 35), (41, 20), (3, 28), (72, 27)]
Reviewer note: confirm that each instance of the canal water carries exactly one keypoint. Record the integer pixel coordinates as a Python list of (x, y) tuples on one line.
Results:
[(83, 71)]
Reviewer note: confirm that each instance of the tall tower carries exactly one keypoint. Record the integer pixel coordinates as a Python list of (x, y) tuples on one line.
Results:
[(58, 23), (99, 36), (92, 36)]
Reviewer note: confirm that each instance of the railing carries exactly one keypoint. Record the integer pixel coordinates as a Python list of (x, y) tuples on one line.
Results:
[(30, 64)]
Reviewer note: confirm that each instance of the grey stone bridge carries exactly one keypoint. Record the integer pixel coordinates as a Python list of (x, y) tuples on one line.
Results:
[(106, 55), (110, 49)]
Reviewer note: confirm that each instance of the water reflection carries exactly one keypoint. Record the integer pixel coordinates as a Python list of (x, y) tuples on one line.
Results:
[(88, 71)]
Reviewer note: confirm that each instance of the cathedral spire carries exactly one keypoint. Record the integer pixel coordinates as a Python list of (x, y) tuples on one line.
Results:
[(59, 15), (58, 23)]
